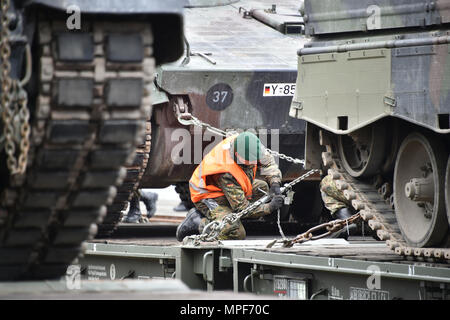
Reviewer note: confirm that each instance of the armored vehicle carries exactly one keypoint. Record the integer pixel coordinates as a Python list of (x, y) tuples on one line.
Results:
[(74, 100), (238, 72), (373, 86)]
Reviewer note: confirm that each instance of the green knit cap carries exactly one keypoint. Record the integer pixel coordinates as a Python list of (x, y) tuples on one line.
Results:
[(248, 146)]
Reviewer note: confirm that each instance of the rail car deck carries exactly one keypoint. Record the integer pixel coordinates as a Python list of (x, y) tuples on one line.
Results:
[(360, 268)]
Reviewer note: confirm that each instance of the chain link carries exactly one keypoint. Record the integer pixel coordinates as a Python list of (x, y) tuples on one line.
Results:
[(280, 230), (212, 230), (13, 102), (187, 119), (330, 227), (285, 157)]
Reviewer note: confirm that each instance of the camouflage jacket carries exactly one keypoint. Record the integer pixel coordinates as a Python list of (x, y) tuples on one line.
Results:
[(233, 193)]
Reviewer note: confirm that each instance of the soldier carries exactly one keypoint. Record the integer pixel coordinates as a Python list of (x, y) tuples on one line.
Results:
[(224, 182), (134, 213), (337, 204)]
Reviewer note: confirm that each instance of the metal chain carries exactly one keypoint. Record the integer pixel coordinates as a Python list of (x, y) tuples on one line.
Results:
[(7, 113), (330, 227), (13, 102), (212, 230), (187, 119), (24, 117), (280, 230), (285, 157)]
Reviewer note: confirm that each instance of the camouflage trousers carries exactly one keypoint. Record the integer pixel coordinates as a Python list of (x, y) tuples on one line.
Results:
[(332, 197), (219, 207), (137, 193)]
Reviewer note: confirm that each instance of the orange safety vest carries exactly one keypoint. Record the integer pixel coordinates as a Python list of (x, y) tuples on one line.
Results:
[(218, 160)]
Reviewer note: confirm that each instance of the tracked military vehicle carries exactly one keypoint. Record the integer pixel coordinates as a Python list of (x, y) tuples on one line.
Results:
[(74, 101), (373, 86), (238, 72)]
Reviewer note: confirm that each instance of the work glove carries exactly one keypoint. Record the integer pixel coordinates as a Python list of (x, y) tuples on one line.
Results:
[(276, 203), (275, 189)]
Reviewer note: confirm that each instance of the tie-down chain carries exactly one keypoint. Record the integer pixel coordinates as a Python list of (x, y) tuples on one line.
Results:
[(212, 230)]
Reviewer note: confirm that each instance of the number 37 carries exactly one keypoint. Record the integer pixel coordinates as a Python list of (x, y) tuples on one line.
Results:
[(219, 96)]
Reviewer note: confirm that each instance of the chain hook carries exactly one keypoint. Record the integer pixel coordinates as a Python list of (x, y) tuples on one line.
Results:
[(181, 112)]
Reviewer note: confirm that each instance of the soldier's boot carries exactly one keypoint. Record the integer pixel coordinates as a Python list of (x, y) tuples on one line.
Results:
[(181, 207), (190, 225), (149, 199), (134, 213), (342, 214)]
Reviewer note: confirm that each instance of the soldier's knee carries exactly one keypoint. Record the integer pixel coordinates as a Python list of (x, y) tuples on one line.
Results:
[(219, 212), (241, 234), (237, 233)]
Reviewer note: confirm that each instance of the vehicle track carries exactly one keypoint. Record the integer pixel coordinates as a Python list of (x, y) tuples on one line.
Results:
[(374, 201), (83, 133)]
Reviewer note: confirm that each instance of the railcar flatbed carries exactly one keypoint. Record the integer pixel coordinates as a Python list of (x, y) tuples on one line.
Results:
[(360, 268)]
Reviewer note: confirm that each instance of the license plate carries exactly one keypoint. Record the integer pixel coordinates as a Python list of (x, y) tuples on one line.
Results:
[(279, 90)]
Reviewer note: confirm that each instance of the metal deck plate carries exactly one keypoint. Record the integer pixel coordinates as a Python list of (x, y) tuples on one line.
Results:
[(238, 43), (156, 289)]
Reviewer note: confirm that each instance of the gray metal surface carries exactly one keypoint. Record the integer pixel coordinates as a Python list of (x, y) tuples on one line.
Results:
[(155, 289), (236, 43), (69, 287), (115, 6), (394, 74), (330, 16), (207, 3), (239, 48), (322, 277), (236, 57), (413, 83), (166, 18), (340, 260), (334, 264)]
